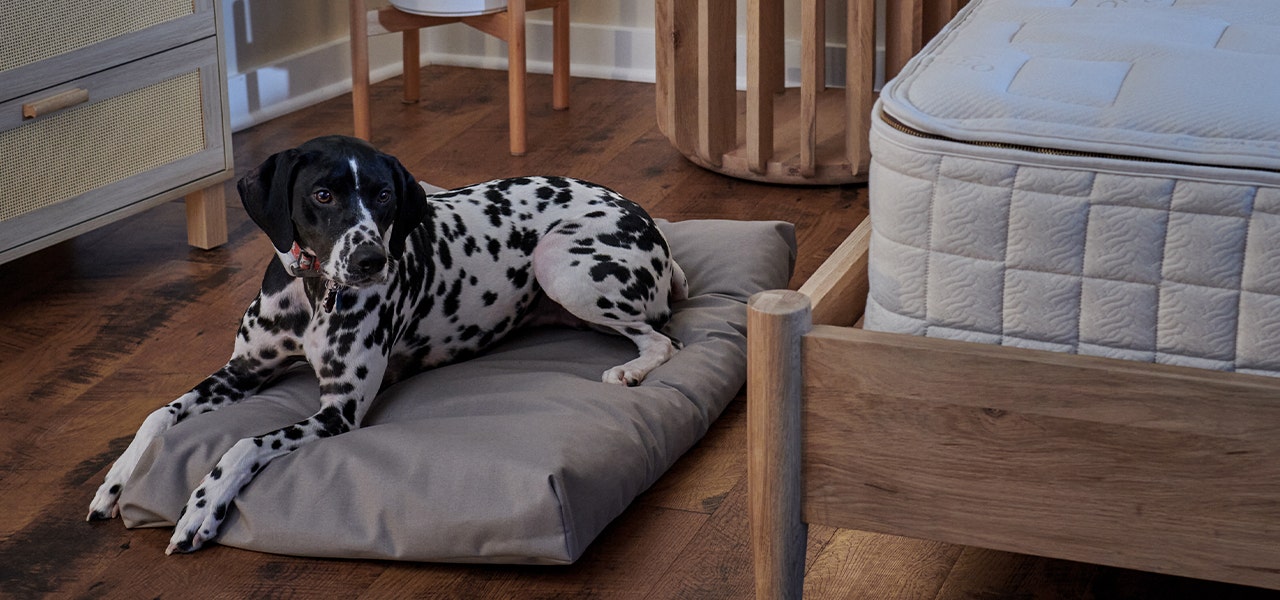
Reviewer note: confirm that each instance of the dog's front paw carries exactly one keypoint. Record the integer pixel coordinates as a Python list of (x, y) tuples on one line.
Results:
[(198, 524), (105, 504), (105, 501), (208, 505)]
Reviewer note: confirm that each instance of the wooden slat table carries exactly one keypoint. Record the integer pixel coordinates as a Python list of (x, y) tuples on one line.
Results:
[(809, 135)]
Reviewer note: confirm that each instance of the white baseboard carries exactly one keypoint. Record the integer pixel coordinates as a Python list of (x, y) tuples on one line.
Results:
[(596, 51)]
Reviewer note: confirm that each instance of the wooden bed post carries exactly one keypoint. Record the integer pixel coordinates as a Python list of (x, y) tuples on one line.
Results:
[(776, 322)]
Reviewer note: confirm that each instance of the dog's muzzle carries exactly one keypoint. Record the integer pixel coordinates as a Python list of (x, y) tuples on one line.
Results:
[(367, 261)]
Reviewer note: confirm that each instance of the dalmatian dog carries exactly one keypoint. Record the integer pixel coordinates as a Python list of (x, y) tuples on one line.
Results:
[(376, 281)]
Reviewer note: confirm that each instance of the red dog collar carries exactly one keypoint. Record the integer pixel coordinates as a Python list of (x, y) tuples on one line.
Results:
[(304, 264)]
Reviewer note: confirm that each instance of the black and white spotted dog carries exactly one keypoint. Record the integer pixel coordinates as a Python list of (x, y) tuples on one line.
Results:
[(376, 281)]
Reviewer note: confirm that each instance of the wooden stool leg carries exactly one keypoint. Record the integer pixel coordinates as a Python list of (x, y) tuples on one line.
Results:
[(560, 56), (412, 84), (516, 75), (360, 69)]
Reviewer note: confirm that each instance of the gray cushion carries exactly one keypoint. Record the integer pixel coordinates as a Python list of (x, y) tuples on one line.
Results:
[(521, 455)]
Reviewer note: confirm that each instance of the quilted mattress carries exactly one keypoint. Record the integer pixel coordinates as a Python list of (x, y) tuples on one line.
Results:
[(1094, 177)]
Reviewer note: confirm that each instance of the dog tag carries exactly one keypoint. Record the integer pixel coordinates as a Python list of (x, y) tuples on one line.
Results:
[(330, 296)]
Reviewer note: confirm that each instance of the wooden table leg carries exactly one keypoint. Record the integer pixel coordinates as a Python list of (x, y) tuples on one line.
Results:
[(560, 56), (360, 69), (516, 75), (412, 66)]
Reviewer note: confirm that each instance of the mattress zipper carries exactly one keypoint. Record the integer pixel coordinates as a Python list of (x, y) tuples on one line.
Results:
[(911, 131)]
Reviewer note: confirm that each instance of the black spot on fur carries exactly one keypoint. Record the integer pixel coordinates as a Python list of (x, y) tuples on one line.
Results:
[(518, 277), (442, 253), (605, 268), (337, 389), (452, 301), (524, 240)]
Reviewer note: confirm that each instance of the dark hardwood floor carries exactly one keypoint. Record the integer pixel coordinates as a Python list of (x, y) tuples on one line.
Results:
[(98, 331)]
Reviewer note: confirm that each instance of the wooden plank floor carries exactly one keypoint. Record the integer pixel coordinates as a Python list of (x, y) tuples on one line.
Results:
[(98, 331)]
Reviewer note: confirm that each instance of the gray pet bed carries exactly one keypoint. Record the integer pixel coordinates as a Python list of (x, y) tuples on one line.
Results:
[(519, 456)]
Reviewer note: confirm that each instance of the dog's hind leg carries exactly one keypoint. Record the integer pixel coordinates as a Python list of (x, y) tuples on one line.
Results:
[(258, 356), (655, 349), (626, 290)]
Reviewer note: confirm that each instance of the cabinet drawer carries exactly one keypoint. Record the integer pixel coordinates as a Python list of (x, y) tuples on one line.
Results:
[(43, 44), (148, 127), (34, 31)]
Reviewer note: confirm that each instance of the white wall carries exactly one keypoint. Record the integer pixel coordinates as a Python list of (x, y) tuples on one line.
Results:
[(287, 54)]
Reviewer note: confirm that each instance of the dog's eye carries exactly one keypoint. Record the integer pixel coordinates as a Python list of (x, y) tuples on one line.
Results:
[(384, 195), (322, 196)]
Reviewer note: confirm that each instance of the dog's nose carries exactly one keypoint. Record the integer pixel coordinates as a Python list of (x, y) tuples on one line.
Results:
[(368, 260)]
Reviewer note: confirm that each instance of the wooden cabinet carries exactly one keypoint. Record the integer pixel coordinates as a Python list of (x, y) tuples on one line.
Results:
[(106, 109)]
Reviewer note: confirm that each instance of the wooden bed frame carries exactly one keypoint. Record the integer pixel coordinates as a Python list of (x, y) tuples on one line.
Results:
[(1151, 467)]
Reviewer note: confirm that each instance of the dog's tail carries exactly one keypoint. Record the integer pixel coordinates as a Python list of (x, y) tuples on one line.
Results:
[(679, 283)]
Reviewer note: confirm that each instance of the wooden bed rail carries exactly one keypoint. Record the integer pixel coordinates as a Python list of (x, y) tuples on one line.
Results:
[(1153, 467), (838, 289)]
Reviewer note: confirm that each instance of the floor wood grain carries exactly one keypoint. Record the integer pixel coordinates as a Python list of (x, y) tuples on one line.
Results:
[(98, 331)]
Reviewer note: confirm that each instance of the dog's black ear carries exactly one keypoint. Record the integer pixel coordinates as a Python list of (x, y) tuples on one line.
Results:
[(411, 206), (265, 194)]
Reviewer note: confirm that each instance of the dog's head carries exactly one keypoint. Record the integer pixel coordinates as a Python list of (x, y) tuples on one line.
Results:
[(335, 207)]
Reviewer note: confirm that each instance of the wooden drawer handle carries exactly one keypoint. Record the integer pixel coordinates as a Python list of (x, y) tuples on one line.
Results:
[(54, 103)]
